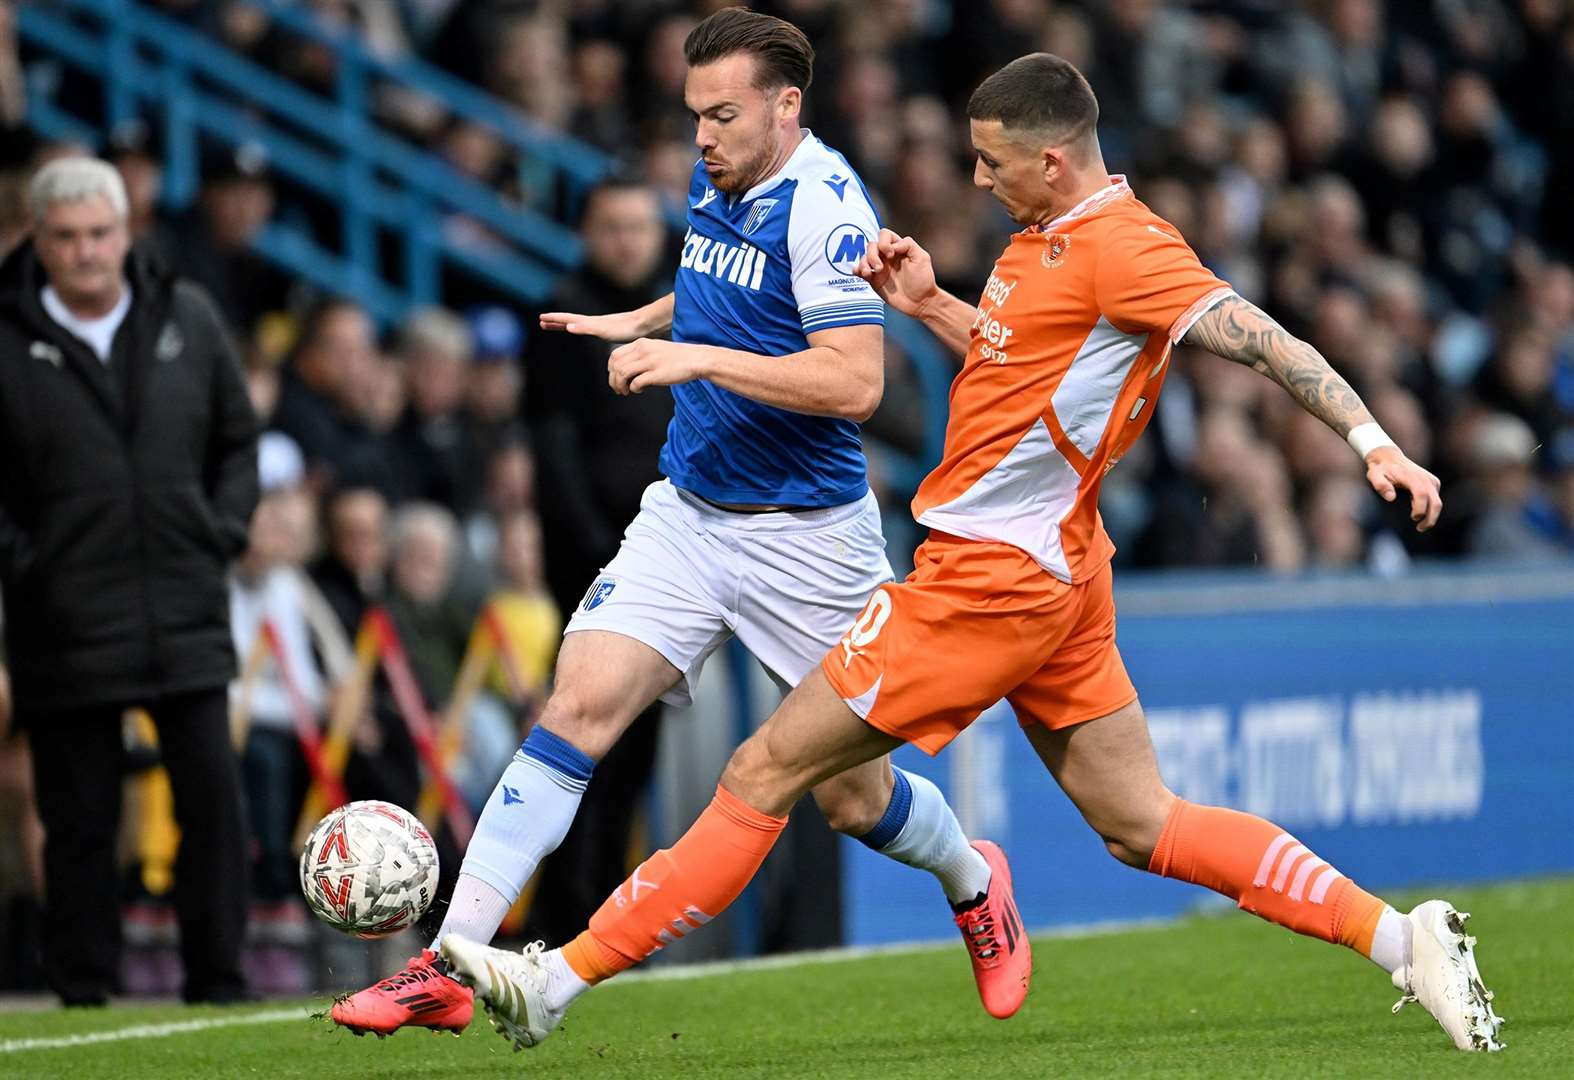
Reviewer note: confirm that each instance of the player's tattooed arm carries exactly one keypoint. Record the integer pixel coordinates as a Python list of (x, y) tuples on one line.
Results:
[(1238, 330)]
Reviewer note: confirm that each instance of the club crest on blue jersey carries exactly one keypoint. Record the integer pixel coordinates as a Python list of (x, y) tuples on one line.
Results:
[(757, 214), (597, 594)]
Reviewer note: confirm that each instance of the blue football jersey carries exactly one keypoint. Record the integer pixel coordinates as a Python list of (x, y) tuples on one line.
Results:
[(760, 272)]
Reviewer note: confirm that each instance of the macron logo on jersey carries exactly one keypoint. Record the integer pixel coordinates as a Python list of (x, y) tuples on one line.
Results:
[(740, 264)]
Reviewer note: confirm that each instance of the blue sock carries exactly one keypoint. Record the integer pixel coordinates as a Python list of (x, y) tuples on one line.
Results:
[(891, 823), (919, 829), (525, 819)]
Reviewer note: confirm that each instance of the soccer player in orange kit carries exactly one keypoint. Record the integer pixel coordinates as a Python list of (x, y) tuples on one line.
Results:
[(1011, 598)]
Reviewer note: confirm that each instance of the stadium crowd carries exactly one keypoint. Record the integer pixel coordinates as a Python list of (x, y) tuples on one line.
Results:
[(1382, 177)]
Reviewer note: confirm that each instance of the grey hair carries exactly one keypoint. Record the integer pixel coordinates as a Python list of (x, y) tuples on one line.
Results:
[(418, 517), (73, 179), (436, 329)]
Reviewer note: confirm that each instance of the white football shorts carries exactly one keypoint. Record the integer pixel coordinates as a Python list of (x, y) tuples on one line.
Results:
[(689, 575)]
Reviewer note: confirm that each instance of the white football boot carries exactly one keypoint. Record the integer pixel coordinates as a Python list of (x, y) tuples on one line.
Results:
[(1441, 974), (512, 986)]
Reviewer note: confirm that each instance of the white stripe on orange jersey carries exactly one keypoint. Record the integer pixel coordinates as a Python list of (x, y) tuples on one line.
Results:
[(1071, 339)]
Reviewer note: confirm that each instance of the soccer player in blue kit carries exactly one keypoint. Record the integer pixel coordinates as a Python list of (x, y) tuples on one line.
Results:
[(765, 527)]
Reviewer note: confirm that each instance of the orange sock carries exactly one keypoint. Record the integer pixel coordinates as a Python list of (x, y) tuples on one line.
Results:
[(1267, 872), (676, 890)]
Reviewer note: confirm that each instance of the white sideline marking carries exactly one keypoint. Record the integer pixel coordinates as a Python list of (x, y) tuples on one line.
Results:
[(661, 974), (153, 1031)]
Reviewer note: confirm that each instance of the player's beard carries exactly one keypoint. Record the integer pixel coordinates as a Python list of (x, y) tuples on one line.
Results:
[(742, 174)]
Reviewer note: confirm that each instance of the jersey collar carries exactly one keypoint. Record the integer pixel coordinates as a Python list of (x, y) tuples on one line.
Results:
[(1118, 189)]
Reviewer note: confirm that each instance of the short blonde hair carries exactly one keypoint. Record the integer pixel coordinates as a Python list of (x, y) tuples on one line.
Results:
[(74, 179)]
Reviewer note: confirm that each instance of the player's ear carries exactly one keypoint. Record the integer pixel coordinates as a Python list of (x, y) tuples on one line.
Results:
[(1052, 160), (789, 103)]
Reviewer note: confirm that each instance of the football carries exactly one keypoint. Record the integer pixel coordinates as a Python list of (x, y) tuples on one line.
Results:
[(369, 869)]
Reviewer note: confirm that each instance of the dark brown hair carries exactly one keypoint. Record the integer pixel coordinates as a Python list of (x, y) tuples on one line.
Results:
[(1041, 93), (782, 55)]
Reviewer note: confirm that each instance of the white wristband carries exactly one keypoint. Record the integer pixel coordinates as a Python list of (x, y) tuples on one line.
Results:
[(1364, 438)]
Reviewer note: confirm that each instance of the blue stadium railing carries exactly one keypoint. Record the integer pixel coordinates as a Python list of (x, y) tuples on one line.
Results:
[(193, 88)]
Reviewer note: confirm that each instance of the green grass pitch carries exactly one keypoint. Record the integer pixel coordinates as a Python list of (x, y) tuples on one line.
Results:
[(1216, 996)]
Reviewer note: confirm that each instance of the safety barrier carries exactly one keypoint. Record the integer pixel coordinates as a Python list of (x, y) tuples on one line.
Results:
[(439, 739)]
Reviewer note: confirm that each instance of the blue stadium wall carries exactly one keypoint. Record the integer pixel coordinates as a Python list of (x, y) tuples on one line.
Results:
[(1411, 732)]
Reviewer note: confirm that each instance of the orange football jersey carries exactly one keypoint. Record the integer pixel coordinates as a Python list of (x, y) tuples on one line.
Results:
[(1069, 349)]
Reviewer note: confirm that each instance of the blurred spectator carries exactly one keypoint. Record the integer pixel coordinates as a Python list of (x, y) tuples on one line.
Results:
[(1520, 381), (279, 696), (129, 477), (14, 223), (1514, 520), (532, 624), (496, 378), (351, 573), (439, 458), (13, 84), (212, 242), (597, 450), (530, 627), (327, 390), (268, 585), (510, 489), (133, 156), (424, 544), (1236, 512)]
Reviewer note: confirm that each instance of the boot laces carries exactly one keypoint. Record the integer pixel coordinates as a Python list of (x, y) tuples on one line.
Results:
[(417, 970), (980, 934)]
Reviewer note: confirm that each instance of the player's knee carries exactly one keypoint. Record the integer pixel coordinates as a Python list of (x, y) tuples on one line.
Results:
[(586, 722), (1132, 835), (755, 775), (1131, 856), (850, 807)]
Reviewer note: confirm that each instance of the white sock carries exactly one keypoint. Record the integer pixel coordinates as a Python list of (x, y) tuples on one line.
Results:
[(563, 982), (525, 819), (1391, 942), (930, 838), (476, 911)]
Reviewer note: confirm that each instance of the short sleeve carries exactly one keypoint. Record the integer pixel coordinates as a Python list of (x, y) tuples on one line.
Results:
[(831, 224), (1150, 281)]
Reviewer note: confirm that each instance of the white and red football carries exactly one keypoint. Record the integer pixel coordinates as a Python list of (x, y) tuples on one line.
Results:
[(369, 869)]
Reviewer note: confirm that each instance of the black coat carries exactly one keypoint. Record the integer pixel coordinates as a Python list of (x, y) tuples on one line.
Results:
[(596, 451), (124, 491)]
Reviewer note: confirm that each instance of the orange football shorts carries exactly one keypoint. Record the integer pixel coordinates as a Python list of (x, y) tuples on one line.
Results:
[(977, 621)]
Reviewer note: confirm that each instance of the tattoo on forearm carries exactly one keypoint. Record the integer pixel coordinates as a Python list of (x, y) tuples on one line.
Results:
[(1242, 332)]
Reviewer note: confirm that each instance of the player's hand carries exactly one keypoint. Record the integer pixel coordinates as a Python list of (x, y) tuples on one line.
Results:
[(651, 362), (623, 326), (1389, 472), (900, 272)]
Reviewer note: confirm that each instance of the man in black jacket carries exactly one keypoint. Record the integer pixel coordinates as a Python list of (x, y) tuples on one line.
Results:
[(128, 474), (596, 453)]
